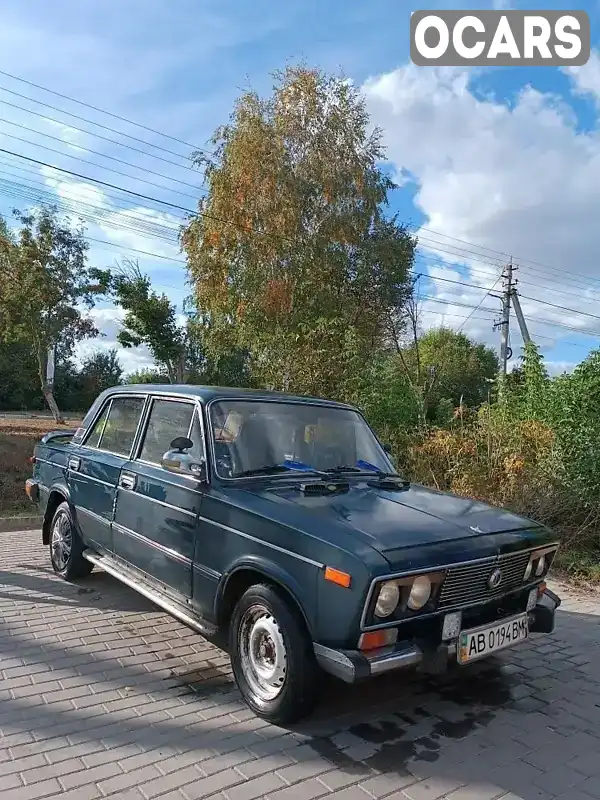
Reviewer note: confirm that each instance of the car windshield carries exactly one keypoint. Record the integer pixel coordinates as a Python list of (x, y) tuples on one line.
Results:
[(254, 437)]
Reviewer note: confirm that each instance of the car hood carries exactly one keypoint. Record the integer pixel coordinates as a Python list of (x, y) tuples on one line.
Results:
[(388, 519)]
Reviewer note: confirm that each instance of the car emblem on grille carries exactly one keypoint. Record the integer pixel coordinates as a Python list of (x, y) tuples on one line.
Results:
[(495, 579)]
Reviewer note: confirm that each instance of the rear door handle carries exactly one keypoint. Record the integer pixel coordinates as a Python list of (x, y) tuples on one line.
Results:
[(74, 464), (127, 481)]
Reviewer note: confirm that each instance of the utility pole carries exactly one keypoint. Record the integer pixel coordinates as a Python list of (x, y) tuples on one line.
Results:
[(504, 324), (520, 317)]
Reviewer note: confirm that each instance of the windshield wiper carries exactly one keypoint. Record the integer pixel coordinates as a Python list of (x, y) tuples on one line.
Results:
[(274, 469), (362, 467), (270, 469)]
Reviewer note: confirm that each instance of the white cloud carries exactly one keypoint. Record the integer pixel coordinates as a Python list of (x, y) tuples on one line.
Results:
[(71, 136), (108, 321), (119, 227), (559, 367), (74, 191), (521, 180), (586, 79)]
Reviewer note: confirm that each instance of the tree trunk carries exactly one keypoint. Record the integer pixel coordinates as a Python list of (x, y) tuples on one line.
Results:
[(46, 388), (58, 417)]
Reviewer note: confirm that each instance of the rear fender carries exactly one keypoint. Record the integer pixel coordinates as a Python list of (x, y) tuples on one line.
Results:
[(59, 492)]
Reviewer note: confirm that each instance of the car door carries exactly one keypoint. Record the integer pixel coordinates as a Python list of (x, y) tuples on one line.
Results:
[(156, 513), (94, 467)]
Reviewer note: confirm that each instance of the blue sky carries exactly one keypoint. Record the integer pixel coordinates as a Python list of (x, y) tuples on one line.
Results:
[(502, 161)]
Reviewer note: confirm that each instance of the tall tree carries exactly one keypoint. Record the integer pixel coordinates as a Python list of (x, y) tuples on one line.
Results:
[(99, 371), (291, 255), (150, 319), (44, 282), (446, 365)]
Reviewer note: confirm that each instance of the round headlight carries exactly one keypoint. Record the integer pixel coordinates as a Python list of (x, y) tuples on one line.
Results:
[(541, 565), (387, 599), (420, 593), (528, 571)]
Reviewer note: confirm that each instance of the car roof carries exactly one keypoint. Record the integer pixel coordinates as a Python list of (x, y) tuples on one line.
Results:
[(207, 393)]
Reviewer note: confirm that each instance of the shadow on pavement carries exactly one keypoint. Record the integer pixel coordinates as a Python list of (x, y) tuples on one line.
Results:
[(494, 723)]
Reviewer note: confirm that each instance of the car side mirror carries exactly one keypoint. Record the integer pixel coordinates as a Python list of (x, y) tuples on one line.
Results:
[(181, 443), (178, 460), (387, 448)]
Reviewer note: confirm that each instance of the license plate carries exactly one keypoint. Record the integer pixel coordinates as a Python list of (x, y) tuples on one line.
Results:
[(479, 642)]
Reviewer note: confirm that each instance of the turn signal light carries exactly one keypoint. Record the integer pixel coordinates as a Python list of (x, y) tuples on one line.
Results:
[(337, 576), (541, 589), (376, 639)]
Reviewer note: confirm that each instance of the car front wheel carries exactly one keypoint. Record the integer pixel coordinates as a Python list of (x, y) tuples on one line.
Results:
[(272, 656), (66, 547)]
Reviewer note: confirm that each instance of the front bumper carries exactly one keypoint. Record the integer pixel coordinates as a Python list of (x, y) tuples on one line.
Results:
[(353, 665)]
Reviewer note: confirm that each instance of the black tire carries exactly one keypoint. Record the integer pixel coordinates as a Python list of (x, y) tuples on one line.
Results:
[(67, 561), (298, 692)]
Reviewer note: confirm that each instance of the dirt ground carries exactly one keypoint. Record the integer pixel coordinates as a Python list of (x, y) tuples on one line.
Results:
[(18, 437)]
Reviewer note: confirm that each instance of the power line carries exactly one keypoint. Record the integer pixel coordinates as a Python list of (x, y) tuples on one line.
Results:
[(525, 297), (97, 153), (480, 302), (477, 252), (92, 122), (102, 111), (117, 203), (92, 164), (96, 135), (562, 308), (520, 261), (97, 180)]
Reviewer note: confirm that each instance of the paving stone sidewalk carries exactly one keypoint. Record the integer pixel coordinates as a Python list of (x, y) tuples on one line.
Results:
[(103, 695)]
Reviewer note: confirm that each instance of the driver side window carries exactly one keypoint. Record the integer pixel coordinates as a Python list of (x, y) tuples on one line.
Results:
[(168, 420)]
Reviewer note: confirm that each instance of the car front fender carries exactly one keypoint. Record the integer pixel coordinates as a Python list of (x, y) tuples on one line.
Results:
[(302, 593)]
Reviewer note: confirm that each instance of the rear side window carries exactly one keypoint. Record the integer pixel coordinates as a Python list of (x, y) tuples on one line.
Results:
[(168, 420), (115, 429), (93, 439)]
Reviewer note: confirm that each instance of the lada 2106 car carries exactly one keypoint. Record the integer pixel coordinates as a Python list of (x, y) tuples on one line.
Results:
[(282, 520)]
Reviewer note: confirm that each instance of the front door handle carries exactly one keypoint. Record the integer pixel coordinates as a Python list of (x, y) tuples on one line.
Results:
[(74, 464), (127, 481)]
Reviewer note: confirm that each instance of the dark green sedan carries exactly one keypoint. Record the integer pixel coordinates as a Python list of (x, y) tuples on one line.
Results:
[(282, 520)]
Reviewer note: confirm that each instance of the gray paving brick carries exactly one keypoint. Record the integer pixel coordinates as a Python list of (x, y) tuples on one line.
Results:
[(307, 790), (155, 786), (431, 789), (589, 786), (381, 785), (588, 764), (339, 778), (53, 770), (478, 791), (350, 793), (257, 787), (212, 784), (94, 775), (211, 766), (10, 782), (305, 769), (37, 790), (22, 764), (260, 766), (94, 696)]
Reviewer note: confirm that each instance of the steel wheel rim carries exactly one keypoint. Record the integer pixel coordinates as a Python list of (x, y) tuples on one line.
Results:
[(263, 653), (61, 541)]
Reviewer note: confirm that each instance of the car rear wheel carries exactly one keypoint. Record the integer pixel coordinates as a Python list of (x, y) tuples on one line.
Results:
[(272, 656), (66, 547)]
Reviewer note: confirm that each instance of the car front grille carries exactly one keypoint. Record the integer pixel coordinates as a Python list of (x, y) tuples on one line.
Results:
[(467, 584)]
